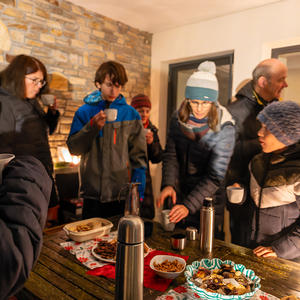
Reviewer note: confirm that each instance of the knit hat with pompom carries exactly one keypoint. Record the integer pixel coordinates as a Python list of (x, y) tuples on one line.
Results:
[(203, 85), (282, 119)]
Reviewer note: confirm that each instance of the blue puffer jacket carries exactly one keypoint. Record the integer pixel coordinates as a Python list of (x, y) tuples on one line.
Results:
[(196, 168), (110, 157)]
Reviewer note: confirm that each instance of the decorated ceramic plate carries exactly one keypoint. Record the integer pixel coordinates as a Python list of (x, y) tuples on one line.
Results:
[(216, 264), (112, 260)]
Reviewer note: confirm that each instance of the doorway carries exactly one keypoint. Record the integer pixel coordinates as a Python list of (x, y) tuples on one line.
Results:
[(290, 56), (180, 72)]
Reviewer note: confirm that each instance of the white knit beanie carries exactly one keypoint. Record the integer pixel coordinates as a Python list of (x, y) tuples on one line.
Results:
[(203, 85)]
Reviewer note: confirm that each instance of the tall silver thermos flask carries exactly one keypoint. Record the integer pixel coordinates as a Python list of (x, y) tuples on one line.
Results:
[(130, 259), (207, 225)]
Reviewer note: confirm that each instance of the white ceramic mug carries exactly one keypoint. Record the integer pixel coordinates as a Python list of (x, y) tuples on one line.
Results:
[(47, 99), (111, 114), (4, 159), (166, 224), (235, 194)]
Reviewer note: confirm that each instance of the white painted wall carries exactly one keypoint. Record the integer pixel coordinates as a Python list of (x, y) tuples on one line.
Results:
[(250, 34)]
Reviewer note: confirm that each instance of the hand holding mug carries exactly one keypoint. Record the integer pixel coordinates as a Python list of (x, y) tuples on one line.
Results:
[(54, 106), (99, 119), (149, 137)]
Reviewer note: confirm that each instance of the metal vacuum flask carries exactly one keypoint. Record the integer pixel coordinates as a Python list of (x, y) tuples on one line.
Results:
[(207, 225), (130, 259)]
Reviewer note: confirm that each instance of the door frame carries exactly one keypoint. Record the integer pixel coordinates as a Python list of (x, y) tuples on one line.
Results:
[(283, 50)]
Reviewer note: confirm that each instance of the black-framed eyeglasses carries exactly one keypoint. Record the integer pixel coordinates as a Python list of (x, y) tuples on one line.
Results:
[(195, 104), (36, 81)]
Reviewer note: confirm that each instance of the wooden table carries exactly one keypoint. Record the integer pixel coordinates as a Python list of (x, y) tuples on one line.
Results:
[(59, 275)]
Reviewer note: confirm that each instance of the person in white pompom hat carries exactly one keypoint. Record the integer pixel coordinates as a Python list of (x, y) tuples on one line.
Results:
[(199, 145)]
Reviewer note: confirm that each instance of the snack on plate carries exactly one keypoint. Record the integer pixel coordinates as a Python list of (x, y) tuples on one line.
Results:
[(107, 249), (85, 227), (225, 281), (169, 266)]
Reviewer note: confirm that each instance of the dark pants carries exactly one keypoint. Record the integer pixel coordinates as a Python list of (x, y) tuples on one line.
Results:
[(96, 209)]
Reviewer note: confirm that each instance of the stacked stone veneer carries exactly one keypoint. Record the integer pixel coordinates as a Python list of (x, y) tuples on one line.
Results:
[(72, 42)]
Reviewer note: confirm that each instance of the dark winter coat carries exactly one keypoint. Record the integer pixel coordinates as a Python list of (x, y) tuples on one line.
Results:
[(24, 128), (278, 203), (244, 110), (155, 155), (24, 197), (196, 168)]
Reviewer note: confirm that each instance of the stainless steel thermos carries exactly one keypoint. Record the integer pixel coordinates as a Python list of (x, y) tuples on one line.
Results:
[(130, 259), (207, 225)]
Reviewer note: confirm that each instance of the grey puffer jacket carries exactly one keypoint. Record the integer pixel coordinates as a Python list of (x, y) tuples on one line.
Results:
[(196, 168), (275, 189), (24, 197)]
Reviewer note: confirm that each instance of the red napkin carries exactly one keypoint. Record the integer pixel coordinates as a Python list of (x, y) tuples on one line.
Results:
[(151, 280)]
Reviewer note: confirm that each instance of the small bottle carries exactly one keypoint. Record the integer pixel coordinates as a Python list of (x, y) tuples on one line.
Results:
[(207, 225)]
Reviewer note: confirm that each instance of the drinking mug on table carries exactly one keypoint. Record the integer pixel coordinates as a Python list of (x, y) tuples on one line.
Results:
[(178, 241)]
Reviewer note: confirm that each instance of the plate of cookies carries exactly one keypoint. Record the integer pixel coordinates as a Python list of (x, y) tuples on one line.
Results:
[(107, 250)]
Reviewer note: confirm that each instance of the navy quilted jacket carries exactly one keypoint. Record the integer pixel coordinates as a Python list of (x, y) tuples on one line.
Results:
[(196, 168)]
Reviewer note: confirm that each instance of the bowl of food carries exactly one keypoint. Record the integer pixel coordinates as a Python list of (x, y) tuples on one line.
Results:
[(167, 266), (88, 229), (217, 279)]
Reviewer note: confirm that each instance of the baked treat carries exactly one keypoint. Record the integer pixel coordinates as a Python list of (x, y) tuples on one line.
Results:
[(225, 281)]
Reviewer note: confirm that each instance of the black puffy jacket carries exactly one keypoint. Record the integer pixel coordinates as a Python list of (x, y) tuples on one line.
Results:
[(24, 197), (244, 110), (24, 127)]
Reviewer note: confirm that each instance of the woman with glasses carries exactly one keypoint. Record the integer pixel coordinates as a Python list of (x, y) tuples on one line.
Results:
[(24, 125), (199, 145)]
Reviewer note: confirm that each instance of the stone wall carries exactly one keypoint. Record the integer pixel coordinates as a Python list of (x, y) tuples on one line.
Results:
[(72, 42)]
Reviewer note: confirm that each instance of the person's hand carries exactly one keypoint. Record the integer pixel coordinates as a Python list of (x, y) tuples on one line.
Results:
[(264, 252), (54, 106), (177, 213), (99, 119), (235, 185), (149, 137), (168, 191)]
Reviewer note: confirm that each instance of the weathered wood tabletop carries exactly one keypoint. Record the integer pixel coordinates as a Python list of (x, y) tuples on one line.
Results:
[(59, 275)]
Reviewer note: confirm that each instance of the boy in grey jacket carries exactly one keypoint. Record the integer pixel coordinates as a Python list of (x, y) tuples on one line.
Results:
[(113, 153)]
